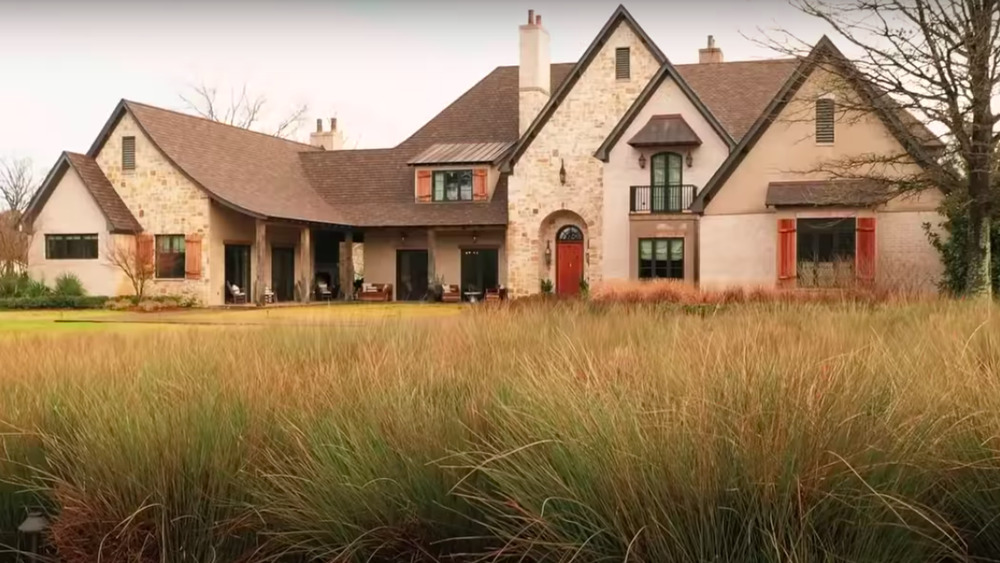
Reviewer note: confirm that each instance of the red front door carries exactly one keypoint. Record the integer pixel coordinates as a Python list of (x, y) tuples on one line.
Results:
[(569, 267)]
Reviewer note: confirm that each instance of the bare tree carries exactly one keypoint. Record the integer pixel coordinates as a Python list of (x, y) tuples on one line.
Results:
[(134, 257), (935, 60), (17, 183), (242, 109), (14, 244)]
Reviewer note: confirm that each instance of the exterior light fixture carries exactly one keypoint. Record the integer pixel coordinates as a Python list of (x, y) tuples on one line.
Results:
[(475, 237), (642, 161), (562, 171), (690, 160), (402, 237), (548, 254), (32, 528)]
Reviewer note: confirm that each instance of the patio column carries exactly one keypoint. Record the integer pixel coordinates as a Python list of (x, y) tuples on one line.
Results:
[(306, 259), (263, 257), (431, 257), (347, 266)]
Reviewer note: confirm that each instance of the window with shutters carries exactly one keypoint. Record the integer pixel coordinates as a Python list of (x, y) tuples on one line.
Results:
[(825, 109), (71, 247), (128, 153), (825, 252), (622, 70), (452, 185), (170, 256), (661, 258)]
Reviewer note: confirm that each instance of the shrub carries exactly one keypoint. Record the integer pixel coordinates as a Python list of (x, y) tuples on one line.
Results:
[(122, 304), (682, 293), (21, 285), (546, 286), (53, 302), (69, 285)]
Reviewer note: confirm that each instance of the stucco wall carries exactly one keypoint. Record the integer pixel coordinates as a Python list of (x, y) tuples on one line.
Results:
[(905, 258), (71, 209), (662, 226), (737, 250), (622, 171), (163, 200), (228, 227), (577, 127)]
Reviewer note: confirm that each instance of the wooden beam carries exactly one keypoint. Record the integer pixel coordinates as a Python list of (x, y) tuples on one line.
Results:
[(307, 258), (431, 257), (263, 262), (347, 266)]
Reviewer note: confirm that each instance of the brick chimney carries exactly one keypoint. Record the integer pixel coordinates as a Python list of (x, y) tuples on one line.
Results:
[(331, 140), (710, 54), (533, 73)]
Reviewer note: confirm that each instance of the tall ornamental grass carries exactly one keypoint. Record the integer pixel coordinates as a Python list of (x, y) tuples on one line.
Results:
[(567, 432)]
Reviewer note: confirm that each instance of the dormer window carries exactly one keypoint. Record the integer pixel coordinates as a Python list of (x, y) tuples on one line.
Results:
[(452, 185)]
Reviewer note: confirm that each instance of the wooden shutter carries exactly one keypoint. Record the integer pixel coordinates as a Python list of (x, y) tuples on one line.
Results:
[(865, 253), (192, 256), (128, 153), (423, 185), (824, 120), (479, 191), (622, 63), (144, 252), (786, 252)]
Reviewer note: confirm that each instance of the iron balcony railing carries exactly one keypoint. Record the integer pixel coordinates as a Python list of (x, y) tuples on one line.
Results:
[(661, 199)]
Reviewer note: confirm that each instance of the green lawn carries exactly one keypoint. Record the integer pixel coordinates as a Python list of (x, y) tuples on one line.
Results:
[(98, 320)]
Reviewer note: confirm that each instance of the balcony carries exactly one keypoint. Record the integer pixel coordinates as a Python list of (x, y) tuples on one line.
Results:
[(661, 199)]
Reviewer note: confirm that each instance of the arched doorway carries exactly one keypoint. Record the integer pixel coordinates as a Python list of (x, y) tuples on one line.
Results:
[(569, 260)]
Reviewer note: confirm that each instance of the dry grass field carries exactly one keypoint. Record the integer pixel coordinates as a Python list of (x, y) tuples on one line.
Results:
[(764, 432)]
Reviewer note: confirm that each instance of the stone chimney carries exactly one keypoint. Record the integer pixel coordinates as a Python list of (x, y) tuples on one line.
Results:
[(533, 73), (331, 140), (710, 54)]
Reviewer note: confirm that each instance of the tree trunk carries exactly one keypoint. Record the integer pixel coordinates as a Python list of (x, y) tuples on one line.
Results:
[(978, 280)]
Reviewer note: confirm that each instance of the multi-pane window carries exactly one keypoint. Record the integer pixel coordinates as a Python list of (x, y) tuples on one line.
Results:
[(825, 250), (453, 185), (666, 176), (825, 110), (170, 256), (622, 63), (70, 247), (661, 258), (128, 153)]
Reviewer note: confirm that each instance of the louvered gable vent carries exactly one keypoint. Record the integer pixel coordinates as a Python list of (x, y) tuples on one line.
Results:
[(622, 70), (824, 120), (128, 153)]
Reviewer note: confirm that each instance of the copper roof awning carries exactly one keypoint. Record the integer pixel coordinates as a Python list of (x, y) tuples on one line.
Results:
[(462, 153), (665, 131), (819, 193)]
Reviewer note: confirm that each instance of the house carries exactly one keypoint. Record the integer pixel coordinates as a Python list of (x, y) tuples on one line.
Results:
[(621, 165)]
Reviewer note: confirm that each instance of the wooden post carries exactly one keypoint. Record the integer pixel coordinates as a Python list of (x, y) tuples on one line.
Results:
[(347, 266), (263, 257), (306, 258), (431, 257)]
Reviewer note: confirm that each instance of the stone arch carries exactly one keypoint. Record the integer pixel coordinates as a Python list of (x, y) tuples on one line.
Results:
[(548, 230)]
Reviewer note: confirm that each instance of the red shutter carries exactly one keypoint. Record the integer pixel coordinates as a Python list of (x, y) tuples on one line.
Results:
[(192, 256), (865, 258), (423, 185), (786, 252), (479, 184), (144, 256)]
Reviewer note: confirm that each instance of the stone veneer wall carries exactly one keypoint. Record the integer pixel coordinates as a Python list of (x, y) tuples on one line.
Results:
[(163, 200), (572, 134)]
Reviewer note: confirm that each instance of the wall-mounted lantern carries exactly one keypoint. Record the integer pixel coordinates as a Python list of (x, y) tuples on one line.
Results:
[(402, 237), (475, 237), (690, 160), (548, 254), (562, 171), (642, 161)]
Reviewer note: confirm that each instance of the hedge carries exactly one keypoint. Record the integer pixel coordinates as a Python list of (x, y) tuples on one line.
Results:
[(53, 302)]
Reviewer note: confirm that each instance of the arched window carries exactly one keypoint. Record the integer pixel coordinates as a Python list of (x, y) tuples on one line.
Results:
[(666, 169), (569, 233)]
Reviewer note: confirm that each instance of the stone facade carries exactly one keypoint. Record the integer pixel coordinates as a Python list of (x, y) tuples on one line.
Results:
[(577, 127), (162, 198)]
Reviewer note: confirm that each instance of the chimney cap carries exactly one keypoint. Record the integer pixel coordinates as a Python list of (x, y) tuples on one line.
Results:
[(319, 125), (711, 41), (333, 124), (538, 19), (531, 17)]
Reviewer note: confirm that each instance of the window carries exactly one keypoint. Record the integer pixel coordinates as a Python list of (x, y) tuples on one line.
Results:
[(824, 120), (70, 247), (661, 258), (666, 176), (453, 185), (128, 153), (170, 256), (825, 252), (622, 71)]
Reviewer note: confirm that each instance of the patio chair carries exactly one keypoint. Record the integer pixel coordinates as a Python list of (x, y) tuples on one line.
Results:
[(238, 295), (496, 294), (375, 292), (450, 293), (323, 291)]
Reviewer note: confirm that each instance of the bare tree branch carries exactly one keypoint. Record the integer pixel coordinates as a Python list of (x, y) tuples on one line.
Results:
[(17, 183), (242, 110), (135, 258)]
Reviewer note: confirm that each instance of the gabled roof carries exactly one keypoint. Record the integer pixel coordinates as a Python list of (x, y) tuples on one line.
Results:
[(910, 133), (254, 173), (120, 219), (620, 15)]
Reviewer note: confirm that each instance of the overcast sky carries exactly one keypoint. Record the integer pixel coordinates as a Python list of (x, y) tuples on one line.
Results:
[(383, 68)]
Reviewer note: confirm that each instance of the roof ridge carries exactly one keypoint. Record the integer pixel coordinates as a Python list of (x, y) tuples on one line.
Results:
[(203, 118), (744, 61)]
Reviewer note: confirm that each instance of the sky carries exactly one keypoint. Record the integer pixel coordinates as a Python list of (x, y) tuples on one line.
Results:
[(382, 67)]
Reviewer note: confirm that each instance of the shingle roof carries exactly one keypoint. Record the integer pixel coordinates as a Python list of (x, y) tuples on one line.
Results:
[(117, 213), (250, 171), (665, 131), (819, 193)]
